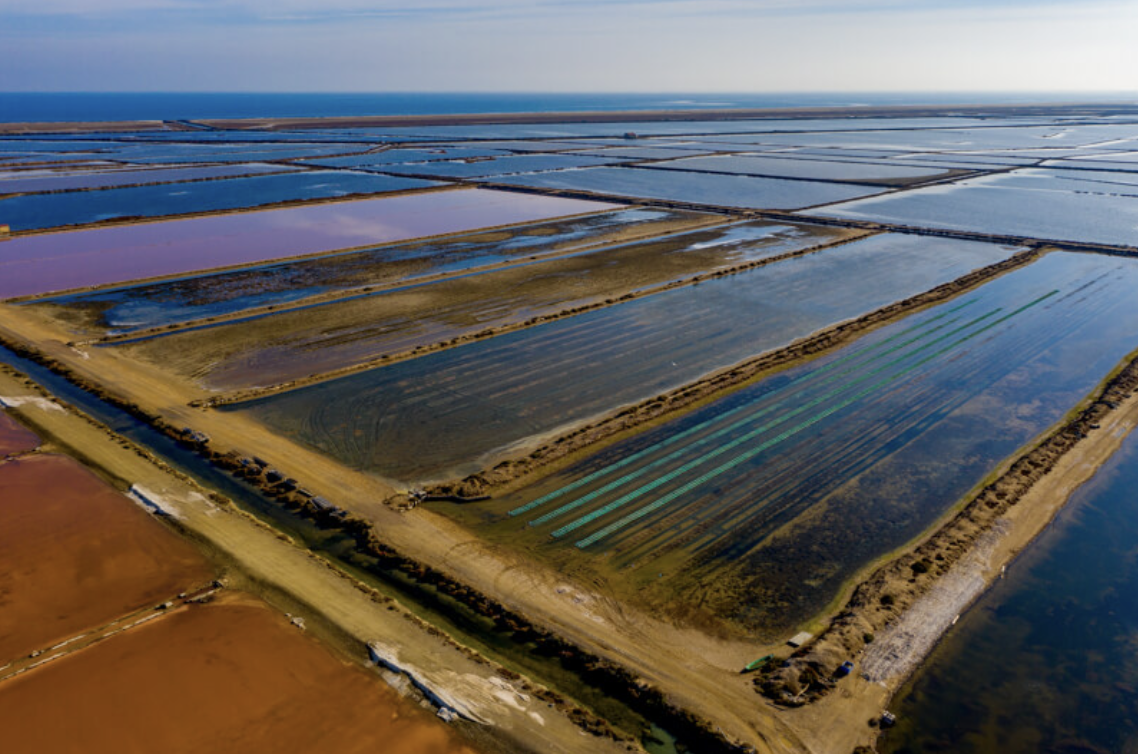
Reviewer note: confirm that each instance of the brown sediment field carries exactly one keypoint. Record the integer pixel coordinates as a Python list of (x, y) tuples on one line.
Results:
[(230, 676), (77, 554), (32, 264), (269, 563), (14, 438), (305, 345), (1003, 515), (650, 648), (562, 449)]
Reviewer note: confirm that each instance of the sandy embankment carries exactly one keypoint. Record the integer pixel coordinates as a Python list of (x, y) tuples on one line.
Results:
[(905, 643)]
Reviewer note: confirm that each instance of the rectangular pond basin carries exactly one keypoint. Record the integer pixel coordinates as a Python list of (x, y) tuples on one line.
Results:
[(312, 339), (78, 554), (150, 305), (759, 507), (782, 167), (146, 305), (1035, 203), (401, 156), (41, 211), (699, 188), (99, 256), (510, 165), (20, 183), (962, 139), (450, 412)]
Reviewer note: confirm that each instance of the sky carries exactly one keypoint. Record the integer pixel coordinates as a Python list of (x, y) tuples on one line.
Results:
[(569, 45)]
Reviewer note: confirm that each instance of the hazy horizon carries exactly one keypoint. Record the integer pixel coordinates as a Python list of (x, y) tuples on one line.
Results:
[(28, 107), (445, 46)]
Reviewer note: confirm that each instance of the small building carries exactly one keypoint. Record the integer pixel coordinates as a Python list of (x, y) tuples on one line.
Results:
[(799, 639), (323, 504)]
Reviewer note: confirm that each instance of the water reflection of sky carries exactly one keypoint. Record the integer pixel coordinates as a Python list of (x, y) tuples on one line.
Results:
[(41, 263)]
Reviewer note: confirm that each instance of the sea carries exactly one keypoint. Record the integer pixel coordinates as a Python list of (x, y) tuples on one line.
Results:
[(46, 107)]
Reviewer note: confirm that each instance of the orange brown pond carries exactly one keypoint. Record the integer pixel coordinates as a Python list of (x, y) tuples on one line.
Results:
[(75, 554), (13, 437), (232, 676)]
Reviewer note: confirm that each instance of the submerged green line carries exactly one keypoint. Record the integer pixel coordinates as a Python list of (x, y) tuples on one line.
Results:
[(745, 456), (719, 417), (577, 503), (783, 418)]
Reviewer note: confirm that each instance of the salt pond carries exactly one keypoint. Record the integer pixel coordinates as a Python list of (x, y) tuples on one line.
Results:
[(40, 211), (718, 190), (1034, 203), (98, 256), (450, 411)]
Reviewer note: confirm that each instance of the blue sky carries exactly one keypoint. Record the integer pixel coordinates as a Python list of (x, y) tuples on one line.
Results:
[(565, 45)]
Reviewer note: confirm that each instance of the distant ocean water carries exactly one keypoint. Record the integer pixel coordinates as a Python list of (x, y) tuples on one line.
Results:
[(110, 106)]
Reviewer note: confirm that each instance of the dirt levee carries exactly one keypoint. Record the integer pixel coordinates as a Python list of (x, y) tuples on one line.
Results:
[(77, 554), (225, 677)]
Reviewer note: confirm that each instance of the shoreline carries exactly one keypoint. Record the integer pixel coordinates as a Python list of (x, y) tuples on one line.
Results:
[(582, 116)]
